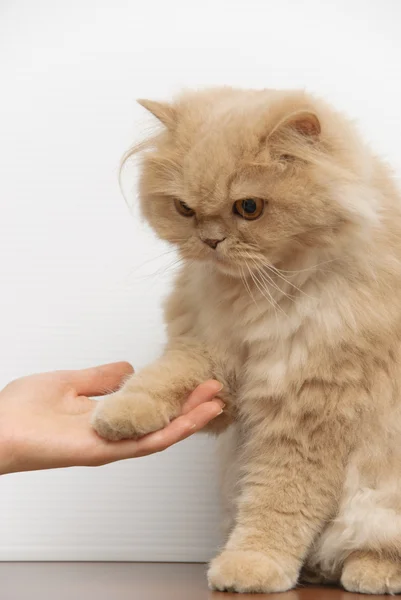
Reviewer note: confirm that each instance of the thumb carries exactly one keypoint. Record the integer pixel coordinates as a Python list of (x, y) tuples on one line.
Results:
[(100, 380)]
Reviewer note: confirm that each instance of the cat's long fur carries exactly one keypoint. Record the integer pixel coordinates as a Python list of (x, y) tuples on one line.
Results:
[(298, 314)]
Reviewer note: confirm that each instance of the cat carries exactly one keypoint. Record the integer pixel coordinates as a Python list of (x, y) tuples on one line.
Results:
[(289, 231)]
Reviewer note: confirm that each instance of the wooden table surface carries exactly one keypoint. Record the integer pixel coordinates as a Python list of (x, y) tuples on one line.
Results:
[(130, 581)]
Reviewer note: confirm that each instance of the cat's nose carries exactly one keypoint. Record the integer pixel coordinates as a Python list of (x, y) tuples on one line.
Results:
[(213, 243)]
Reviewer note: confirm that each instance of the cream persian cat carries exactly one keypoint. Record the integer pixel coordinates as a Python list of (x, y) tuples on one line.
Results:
[(290, 294)]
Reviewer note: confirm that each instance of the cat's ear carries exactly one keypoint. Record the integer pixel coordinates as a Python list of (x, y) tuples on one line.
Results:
[(304, 122), (162, 111)]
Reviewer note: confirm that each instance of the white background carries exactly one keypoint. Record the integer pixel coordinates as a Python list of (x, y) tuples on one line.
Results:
[(75, 287)]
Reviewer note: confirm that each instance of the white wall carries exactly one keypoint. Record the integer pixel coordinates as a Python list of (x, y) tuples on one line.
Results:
[(74, 289)]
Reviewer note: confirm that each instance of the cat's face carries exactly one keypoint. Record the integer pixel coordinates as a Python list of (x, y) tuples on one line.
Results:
[(244, 179)]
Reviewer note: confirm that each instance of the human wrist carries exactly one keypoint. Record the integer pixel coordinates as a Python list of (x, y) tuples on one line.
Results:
[(7, 455)]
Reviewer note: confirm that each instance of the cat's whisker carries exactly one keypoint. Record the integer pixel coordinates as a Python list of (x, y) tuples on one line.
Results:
[(301, 291), (269, 281), (272, 304), (167, 269), (246, 284), (275, 271), (313, 268), (164, 269), (146, 262), (263, 289)]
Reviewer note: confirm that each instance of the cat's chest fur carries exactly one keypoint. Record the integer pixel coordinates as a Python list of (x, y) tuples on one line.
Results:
[(247, 335)]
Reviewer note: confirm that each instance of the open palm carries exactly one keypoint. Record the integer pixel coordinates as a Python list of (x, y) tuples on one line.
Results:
[(45, 420)]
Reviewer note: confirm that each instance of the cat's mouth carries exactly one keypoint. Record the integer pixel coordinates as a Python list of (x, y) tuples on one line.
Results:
[(228, 261), (227, 264), (239, 266)]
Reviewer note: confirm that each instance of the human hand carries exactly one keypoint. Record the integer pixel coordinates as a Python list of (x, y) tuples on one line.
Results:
[(45, 420)]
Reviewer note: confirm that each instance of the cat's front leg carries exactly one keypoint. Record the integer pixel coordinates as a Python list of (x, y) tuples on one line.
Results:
[(290, 488), (153, 397)]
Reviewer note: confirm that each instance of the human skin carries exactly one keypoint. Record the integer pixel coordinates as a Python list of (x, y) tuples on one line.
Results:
[(45, 420)]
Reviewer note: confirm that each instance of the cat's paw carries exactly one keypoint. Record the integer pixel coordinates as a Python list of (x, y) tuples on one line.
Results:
[(369, 573), (248, 571), (128, 416)]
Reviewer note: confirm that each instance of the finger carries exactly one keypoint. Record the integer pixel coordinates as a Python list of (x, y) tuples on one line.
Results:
[(179, 429), (203, 393), (101, 380)]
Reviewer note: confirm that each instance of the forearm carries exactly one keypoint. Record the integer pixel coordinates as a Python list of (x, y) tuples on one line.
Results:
[(295, 492), (6, 456), (181, 368), (290, 487), (150, 399)]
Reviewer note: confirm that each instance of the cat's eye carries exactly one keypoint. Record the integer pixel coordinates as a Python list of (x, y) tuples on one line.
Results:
[(183, 208), (250, 208)]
